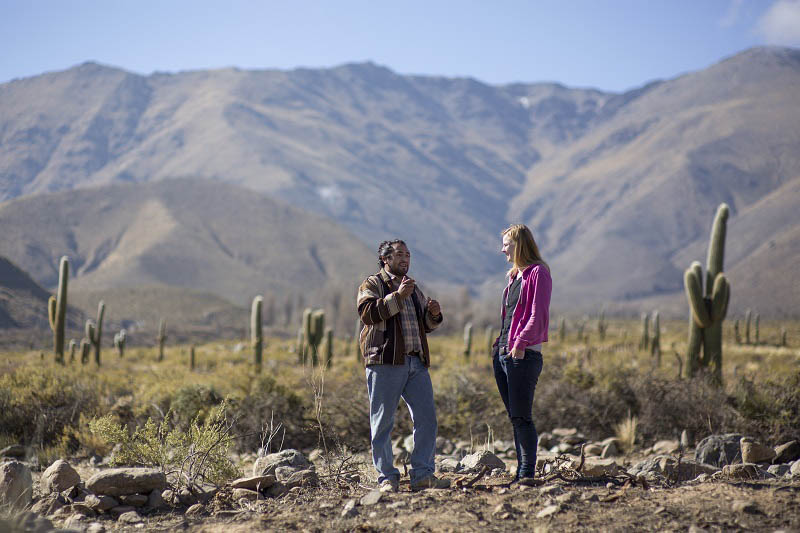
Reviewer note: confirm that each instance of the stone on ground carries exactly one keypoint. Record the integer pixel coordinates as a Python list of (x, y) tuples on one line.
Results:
[(16, 485), (269, 463), (59, 476), (130, 517), (100, 503), (755, 452), (744, 471), (787, 452), (719, 450), (478, 460), (666, 447), (593, 466), (254, 482), (372, 497), (120, 481)]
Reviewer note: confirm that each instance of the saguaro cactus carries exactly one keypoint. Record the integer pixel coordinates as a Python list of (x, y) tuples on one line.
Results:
[(562, 329), (329, 347), (756, 328), (119, 342), (602, 325), (708, 312), (314, 322), (73, 345), (747, 315), (736, 335), (300, 345), (644, 340), (468, 339), (94, 331), (57, 310), (162, 337), (655, 341), (191, 358), (256, 336), (86, 348), (489, 342)]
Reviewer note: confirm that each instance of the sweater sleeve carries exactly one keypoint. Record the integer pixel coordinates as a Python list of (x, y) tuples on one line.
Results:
[(537, 295), (371, 307)]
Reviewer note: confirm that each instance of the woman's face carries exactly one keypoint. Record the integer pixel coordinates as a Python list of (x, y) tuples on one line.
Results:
[(508, 248)]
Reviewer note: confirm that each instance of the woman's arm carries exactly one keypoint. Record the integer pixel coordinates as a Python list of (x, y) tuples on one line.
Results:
[(537, 295)]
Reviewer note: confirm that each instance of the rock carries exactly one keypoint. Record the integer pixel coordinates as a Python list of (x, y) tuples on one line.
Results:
[(59, 476), (787, 452), (16, 451), (686, 442), (564, 432), (155, 500), (100, 503), (49, 504), (550, 510), (266, 465), (135, 500), (719, 450), (551, 490), (349, 510), (794, 470), (477, 460), (16, 485), (277, 490), (120, 510), (76, 522), (755, 452), (743, 471), (408, 443), (610, 449), (372, 497), (302, 478), (187, 497), (667, 466), (316, 455), (119, 481), (397, 505), (129, 517), (778, 470), (195, 510), (593, 466), (546, 440), (448, 464), (444, 446), (169, 496), (82, 508), (741, 506), (567, 497), (247, 494), (574, 440), (666, 447), (95, 527), (564, 447), (593, 450), (254, 483)]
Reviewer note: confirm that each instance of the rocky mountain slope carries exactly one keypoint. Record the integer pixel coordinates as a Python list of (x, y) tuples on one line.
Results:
[(619, 188)]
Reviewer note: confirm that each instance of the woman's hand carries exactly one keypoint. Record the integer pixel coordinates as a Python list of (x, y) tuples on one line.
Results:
[(518, 353)]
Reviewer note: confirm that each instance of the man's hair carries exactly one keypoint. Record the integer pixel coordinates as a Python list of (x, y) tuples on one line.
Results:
[(386, 249), (525, 252)]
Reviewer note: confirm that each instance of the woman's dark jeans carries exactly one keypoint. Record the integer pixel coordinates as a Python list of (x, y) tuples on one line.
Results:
[(516, 381)]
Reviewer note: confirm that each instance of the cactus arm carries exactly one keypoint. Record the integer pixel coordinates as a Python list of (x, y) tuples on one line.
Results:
[(51, 312), (694, 293), (719, 298), (256, 334), (716, 245)]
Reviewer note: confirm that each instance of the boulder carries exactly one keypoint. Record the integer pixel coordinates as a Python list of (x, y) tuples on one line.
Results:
[(778, 470), (155, 500), (277, 490), (120, 510), (254, 482), (58, 477), (755, 452), (49, 504), (372, 497), (666, 447), (16, 485), (593, 466), (610, 448), (120, 481), (195, 510), (15, 451), (302, 478), (247, 494), (667, 466), (547, 440), (136, 500), (744, 471), (593, 450), (478, 460), (449, 464), (787, 452), (292, 458), (100, 503), (719, 450), (564, 432), (130, 517), (795, 469)]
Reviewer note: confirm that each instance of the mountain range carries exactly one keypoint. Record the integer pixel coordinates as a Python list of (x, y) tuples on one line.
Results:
[(620, 189)]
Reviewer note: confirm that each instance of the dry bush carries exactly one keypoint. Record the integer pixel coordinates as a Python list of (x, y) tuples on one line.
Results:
[(770, 410), (466, 401)]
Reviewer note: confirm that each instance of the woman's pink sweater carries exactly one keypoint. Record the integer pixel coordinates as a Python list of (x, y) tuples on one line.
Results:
[(531, 316)]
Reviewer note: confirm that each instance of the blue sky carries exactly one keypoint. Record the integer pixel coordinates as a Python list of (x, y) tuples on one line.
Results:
[(611, 45)]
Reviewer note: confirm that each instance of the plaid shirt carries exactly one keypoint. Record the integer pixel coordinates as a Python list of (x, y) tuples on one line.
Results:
[(408, 321)]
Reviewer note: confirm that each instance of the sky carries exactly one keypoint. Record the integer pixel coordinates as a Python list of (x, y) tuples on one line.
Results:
[(613, 45)]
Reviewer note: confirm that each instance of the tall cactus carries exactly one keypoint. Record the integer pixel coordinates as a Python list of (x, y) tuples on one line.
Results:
[(489, 342), (162, 337), (314, 322), (303, 352), (329, 347), (655, 341), (86, 348), (468, 340), (644, 340), (57, 310), (747, 315), (94, 331), (300, 345), (602, 325), (756, 329), (256, 333), (73, 346), (709, 310), (119, 342), (562, 329)]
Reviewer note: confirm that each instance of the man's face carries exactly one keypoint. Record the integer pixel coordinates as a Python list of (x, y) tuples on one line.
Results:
[(398, 262)]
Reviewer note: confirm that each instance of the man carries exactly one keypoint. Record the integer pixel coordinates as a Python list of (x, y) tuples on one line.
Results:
[(396, 318)]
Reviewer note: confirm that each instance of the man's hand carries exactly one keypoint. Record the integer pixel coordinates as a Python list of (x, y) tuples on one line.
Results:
[(406, 287), (518, 353), (434, 308)]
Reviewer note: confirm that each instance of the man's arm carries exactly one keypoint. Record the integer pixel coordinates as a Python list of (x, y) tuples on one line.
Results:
[(371, 307), (430, 320)]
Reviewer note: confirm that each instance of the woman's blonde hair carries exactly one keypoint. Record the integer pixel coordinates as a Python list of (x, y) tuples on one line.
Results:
[(525, 250)]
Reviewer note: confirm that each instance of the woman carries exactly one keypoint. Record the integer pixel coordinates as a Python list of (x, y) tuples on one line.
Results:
[(517, 357)]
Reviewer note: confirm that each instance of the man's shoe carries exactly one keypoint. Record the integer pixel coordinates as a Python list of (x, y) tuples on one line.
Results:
[(430, 482), (530, 481), (389, 485)]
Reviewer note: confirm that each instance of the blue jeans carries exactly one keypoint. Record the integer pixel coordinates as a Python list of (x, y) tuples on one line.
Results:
[(386, 384), (516, 381)]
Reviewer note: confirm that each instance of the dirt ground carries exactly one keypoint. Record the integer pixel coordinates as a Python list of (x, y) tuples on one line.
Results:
[(490, 505)]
